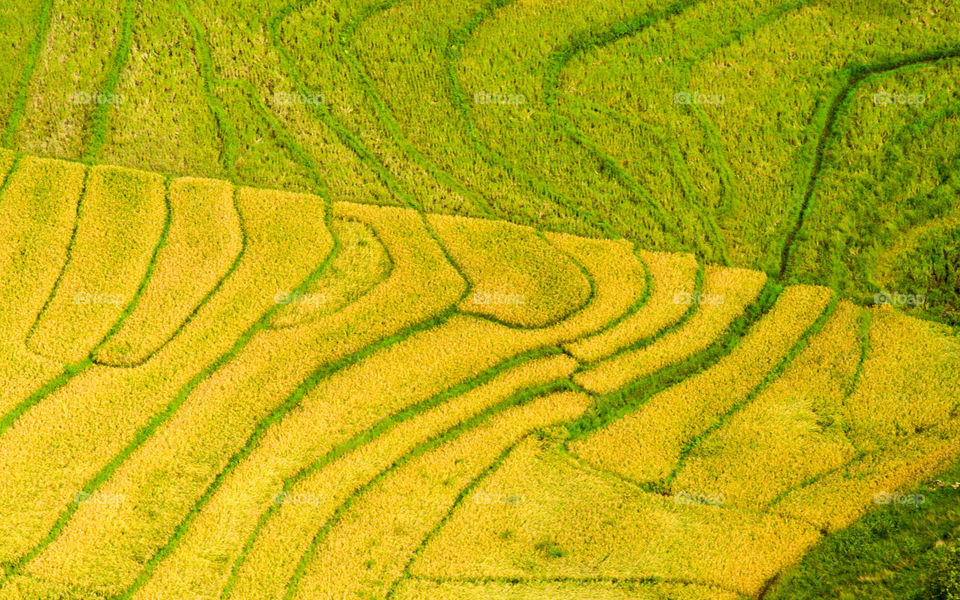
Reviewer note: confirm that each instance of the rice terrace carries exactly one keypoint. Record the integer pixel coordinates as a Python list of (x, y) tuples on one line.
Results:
[(480, 299)]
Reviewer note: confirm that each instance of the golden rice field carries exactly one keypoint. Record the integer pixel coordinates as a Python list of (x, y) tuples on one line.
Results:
[(219, 391)]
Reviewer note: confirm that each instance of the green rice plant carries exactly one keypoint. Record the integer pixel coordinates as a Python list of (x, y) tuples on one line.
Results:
[(247, 69), (38, 208), (25, 24), (501, 68), (317, 41), (75, 436), (368, 547), (889, 185), (672, 276), (162, 91), (791, 432), (406, 46), (204, 240), (121, 221), (516, 277), (658, 435), (725, 294), (607, 530), (291, 513), (67, 86)]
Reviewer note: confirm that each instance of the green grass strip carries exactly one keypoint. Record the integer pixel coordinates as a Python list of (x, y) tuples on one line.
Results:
[(225, 127), (615, 405), (834, 113), (772, 376), (518, 399), (457, 41), (144, 433), (33, 52), (99, 121), (370, 435)]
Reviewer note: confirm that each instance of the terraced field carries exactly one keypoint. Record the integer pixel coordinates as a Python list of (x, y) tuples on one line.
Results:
[(220, 391), (477, 299)]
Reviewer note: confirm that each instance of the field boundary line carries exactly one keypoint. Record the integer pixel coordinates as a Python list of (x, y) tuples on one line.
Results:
[(521, 398), (374, 432), (203, 301), (698, 283), (386, 277), (652, 580), (458, 39), (611, 407), (852, 77), (99, 120), (773, 375)]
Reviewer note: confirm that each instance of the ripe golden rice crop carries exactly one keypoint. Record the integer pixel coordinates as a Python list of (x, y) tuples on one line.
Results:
[(516, 277), (365, 551), (672, 276), (6, 161), (37, 212), (838, 498), (540, 516), (121, 220), (420, 589), (95, 414), (303, 507), (203, 240), (725, 294), (656, 434), (791, 432), (361, 264), (909, 383), (233, 437)]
